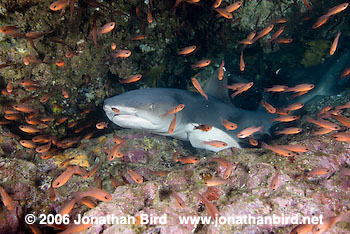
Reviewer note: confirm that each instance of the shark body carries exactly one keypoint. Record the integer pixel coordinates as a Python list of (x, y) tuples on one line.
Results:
[(143, 109)]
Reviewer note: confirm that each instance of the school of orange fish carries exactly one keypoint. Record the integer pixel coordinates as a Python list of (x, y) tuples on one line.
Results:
[(48, 145)]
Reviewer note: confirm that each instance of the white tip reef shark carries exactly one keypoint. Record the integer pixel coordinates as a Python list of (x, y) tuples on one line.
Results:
[(143, 109)]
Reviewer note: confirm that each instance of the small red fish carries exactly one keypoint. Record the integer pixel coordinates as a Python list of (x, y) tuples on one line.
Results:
[(268, 107), (101, 125), (198, 87), (187, 50), (250, 131), (174, 110), (189, 159), (106, 28), (172, 125), (121, 54), (217, 144), (228, 125), (6, 199), (135, 176), (201, 63), (131, 79), (204, 127), (334, 44)]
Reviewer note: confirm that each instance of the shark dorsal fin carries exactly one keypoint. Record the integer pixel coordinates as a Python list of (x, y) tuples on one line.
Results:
[(217, 88)]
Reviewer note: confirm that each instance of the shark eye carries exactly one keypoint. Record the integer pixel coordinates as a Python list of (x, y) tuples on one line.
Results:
[(152, 106)]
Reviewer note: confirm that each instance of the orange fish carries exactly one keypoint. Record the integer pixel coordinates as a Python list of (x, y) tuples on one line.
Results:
[(135, 176), (236, 86), (99, 194), (201, 63), (345, 72), (289, 131), (216, 181), (268, 107), (13, 117), (94, 34), (106, 28), (322, 131), (241, 62), (306, 3), (179, 200), (64, 177), (337, 9), (198, 87), (149, 16), (46, 97), (43, 148), (294, 106), (28, 144), (276, 89), (115, 182), (9, 87), (285, 118), (131, 79), (204, 127), (263, 32), (220, 160), (87, 202), (187, 50), (6, 199), (59, 5), (320, 21), (228, 171), (327, 223), (250, 131), (323, 123), (121, 54), (60, 62), (23, 108), (172, 125), (234, 6), (283, 40), (341, 136), (280, 21), (277, 149), (224, 13), (211, 209), (115, 153), (274, 181), (67, 207), (242, 89), (218, 144), (70, 54), (189, 159), (277, 33), (342, 119), (101, 125), (296, 148), (29, 129), (318, 172), (221, 70), (174, 110), (302, 229), (253, 141), (65, 93), (217, 3), (138, 37), (228, 125), (334, 44), (301, 88)]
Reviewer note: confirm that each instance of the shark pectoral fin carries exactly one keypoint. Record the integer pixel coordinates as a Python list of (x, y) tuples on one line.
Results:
[(198, 138)]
